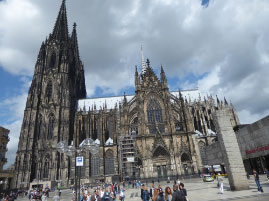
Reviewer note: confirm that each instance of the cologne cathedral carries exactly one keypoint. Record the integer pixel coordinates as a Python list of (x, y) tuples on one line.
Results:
[(154, 133)]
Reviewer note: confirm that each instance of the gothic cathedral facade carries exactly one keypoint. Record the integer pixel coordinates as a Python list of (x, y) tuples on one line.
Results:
[(170, 131)]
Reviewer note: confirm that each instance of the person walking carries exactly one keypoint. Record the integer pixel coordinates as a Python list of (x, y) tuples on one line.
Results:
[(257, 180), (220, 183), (145, 195), (168, 194)]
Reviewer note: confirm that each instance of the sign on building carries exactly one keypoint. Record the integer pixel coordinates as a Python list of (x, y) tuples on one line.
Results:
[(79, 161), (130, 159)]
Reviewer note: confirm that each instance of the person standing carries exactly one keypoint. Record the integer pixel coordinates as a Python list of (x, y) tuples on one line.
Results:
[(122, 196), (146, 196), (267, 173), (95, 196), (44, 197), (56, 197), (155, 194), (151, 191), (142, 189), (160, 196), (257, 180), (168, 194), (177, 195), (182, 189)]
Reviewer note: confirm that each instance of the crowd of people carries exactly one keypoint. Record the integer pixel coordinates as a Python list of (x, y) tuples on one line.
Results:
[(179, 193), (106, 192)]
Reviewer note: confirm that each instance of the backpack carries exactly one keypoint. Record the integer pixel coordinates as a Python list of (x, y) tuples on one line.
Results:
[(107, 196)]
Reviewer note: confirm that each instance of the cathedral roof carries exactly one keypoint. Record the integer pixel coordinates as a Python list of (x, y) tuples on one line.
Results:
[(113, 101)]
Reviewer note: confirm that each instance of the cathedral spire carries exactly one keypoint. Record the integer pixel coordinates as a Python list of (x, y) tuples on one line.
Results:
[(136, 76), (143, 63), (60, 31), (74, 38), (163, 77)]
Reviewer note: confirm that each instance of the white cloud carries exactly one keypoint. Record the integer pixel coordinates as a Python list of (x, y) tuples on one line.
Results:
[(228, 39)]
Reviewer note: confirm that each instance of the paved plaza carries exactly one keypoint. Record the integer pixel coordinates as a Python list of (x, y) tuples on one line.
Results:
[(198, 191)]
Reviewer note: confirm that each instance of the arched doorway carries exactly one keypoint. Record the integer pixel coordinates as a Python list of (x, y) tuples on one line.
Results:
[(186, 163), (161, 160)]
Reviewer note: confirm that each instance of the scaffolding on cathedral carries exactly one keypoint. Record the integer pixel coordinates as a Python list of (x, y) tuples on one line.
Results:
[(129, 157)]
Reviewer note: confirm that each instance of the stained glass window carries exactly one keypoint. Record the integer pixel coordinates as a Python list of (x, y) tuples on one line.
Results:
[(154, 111)]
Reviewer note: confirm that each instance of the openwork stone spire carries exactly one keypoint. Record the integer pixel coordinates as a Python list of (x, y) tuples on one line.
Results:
[(60, 31)]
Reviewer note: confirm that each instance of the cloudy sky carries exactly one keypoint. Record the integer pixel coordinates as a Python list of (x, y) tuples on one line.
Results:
[(220, 46)]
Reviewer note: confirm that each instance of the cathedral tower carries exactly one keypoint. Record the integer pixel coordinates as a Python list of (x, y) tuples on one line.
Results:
[(58, 82)]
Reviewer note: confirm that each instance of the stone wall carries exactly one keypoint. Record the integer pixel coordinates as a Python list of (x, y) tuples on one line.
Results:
[(214, 154), (253, 140), (230, 151)]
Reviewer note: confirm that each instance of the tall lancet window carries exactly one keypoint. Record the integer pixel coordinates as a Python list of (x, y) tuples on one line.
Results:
[(154, 111), (49, 90), (52, 60), (40, 127), (51, 127), (46, 170)]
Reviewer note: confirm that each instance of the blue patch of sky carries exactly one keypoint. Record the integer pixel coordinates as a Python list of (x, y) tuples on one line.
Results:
[(101, 92), (205, 3), (10, 86)]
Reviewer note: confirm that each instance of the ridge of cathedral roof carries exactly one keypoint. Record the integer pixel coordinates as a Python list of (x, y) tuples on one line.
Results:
[(111, 101)]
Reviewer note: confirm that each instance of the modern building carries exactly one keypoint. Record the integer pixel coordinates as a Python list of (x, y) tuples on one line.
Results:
[(4, 139), (6, 176), (166, 123), (253, 142)]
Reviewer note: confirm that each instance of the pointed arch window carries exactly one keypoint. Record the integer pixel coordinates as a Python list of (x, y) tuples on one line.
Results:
[(109, 162), (52, 60), (185, 158), (51, 126), (154, 111), (95, 165), (160, 152), (134, 125), (49, 90), (46, 170)]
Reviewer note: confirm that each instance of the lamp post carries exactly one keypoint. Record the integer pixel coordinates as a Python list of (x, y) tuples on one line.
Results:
[(86, 145)]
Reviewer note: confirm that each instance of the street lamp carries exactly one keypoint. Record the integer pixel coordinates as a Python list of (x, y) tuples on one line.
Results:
[(87, 145)]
